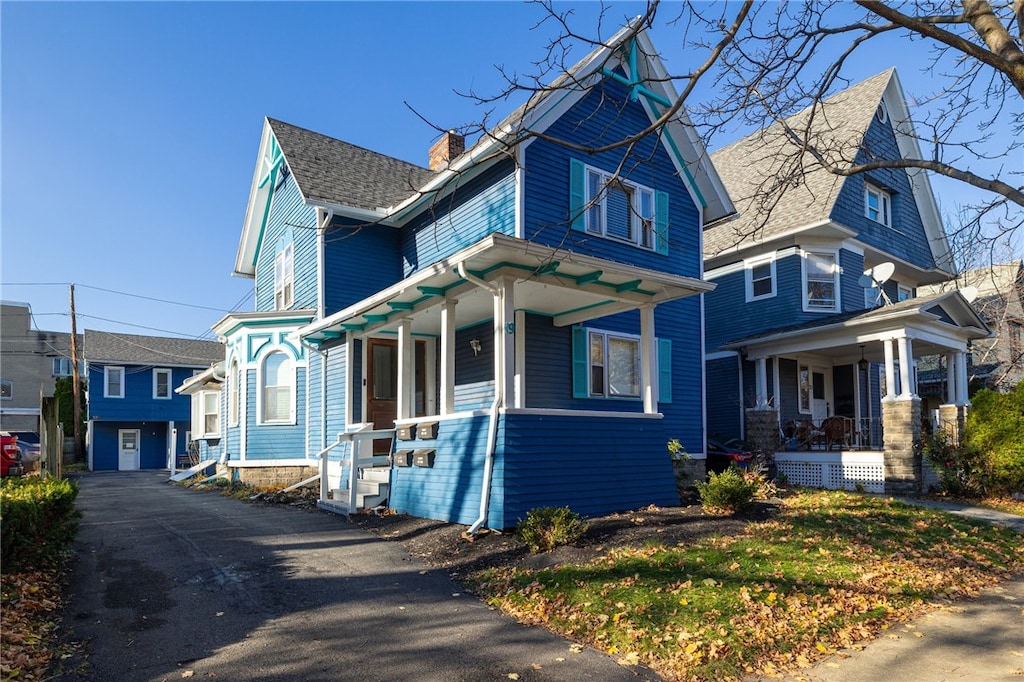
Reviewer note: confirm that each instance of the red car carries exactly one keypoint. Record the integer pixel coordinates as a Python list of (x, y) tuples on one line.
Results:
[(10, 455)]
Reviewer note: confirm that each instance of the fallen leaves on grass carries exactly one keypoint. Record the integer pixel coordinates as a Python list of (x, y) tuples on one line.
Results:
[(31, 602)]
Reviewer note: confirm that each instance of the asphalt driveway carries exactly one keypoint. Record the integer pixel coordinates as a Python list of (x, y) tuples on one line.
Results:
[(172, 584)]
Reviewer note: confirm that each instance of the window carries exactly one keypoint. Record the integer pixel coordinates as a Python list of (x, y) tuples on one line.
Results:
[(234, 393), (205, 416), (284, 275), (113, 382), (904, 293), (877, 205), (614, 365), (63, 367), (872, 295), (278, 389), (616, 208), (804, 381), (760, 279), (162, 384), (881, 113), (6, 390), (821, 282)]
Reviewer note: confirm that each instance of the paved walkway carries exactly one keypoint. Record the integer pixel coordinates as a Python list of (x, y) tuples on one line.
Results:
[(975, 640)]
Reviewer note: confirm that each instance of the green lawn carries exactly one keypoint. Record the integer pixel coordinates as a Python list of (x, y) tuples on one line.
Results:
[(829, 571)]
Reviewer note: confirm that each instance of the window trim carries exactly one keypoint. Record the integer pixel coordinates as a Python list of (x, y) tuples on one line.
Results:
[(291, 384), (885, 204), (606, 337), (10, 389), (642, 228), (234, 393), (58, 366), (156, 372), (804, 281), (199, 424), (748, 267), (900, 289), (284, 277), (106, 382)]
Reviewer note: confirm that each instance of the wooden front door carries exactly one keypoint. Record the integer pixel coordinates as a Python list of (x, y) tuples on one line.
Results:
[(382, 388)]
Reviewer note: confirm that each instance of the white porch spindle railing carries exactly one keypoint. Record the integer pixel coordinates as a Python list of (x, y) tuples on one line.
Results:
[(360, 453)]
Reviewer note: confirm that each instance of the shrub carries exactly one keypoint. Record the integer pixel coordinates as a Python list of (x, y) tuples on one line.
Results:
[(38, 520), (960, 468), (728, 492), (548, 527), (994, 426)]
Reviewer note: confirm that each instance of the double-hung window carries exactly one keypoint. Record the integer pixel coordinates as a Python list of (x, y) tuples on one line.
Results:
[(904, 292), (760, 279), (877, 205), (205, 415), (606, 205), (234, 393), (284, 277), (614, 365), (62, 367), (278, 379), (113, 382), (162, 384), (821, 281)]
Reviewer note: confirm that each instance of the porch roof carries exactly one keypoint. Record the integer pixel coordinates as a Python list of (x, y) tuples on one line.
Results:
[(937, 324), (566, 286)]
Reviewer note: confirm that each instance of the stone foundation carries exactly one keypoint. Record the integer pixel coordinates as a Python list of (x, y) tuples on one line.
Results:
[(901, 424), (271, 477), (763, 430), (952, 419)]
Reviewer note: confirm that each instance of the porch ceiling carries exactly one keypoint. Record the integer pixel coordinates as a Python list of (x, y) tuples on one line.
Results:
[(563, 285)]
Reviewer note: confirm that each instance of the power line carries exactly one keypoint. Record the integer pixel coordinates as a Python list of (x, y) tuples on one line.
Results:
[(114, 291)]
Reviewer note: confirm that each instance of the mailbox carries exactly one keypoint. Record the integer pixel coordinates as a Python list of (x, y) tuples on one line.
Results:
[(406, 432), (402, 458), (424, 458), (427, 430)]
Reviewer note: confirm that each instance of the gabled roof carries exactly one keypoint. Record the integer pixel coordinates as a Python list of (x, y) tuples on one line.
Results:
[(134, 349), (778, 192), (346, 179)]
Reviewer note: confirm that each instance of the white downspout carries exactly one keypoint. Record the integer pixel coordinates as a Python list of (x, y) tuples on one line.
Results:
[(492, 428)]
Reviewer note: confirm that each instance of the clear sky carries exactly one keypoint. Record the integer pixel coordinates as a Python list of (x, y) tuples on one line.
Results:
[(129, 130)]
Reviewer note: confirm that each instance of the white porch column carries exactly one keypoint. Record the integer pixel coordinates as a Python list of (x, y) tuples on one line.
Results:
[(890, 371), (961, 378), (448, 356), (506, 341), (907, 389), (520, 380), (350, 365), (648, 353), (406, 376), (761, 382), (951, 380)]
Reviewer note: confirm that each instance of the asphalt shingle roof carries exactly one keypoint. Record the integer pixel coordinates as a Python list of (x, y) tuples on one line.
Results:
[(336, 172), (755, 168), (102, 346)]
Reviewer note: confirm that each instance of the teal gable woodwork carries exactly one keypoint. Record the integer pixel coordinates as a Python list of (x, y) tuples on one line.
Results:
[(481, 206), (906, 239), (290, 220), (605, 114), (359, 261)]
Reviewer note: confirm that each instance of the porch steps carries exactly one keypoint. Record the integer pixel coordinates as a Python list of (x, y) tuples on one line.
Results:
[(371, 489)]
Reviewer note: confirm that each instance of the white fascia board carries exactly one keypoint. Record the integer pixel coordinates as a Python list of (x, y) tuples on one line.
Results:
[(376, 216), (250, 230), (842, 233)]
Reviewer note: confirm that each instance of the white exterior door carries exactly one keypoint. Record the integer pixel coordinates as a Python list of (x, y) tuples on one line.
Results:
[(128, 449), (821, 394)]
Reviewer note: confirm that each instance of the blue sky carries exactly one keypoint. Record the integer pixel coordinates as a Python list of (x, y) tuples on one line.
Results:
[(130, 130)]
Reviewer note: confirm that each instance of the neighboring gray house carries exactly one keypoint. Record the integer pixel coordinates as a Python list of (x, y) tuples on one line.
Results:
[(30, 361)]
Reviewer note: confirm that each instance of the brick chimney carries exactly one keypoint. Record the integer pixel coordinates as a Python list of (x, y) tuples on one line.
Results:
[(446, 149)]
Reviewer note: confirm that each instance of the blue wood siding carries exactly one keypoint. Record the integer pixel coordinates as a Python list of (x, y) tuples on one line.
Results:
[(724, 402), (605, 114), (276, 441), (851, 269), (315, 417), (138, 403), (450, 490), (789, 400), (485, 205), (474, 373), (906, 239), (287, 211), (359, 261), (336, 363), (152, 444)]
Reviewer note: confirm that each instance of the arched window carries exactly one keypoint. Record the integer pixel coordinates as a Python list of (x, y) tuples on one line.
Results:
[(278, 388), (234, 393)]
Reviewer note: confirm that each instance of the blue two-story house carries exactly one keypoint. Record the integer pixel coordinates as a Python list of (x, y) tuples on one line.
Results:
[(135, 418), (815, 324), (525, 316)]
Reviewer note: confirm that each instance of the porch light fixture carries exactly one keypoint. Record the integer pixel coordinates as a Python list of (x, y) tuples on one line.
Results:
[(475, 345), (862, 363)]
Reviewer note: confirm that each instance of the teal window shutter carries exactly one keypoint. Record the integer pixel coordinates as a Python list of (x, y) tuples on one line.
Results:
[(661, 221), (580, 362), (577, 195), (664, 370)]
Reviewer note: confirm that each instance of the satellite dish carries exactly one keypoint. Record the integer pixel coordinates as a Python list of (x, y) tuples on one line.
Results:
[(969, 293), (882, 272), (875, 277), (866, 281)]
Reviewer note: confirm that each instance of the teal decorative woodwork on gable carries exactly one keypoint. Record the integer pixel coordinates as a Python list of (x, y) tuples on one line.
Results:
[(256, 343), (268, 183)]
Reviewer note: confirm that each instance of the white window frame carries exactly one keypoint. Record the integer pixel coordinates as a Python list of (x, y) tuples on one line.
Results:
[(805, 257), (881, 213), (9, 393), (643, 231), (284, 277), (201, 412), (904, 292), (290, 383), (63, 367), (106, 382), (803, 371), (157, 373), (749, 266), (605, 390), (234, 393)]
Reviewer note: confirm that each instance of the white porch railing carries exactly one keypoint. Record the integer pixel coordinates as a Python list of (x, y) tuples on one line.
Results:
[(359, 455), (844, 470)]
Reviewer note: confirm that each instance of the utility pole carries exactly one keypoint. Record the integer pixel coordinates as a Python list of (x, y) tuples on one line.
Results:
[(75, 385)]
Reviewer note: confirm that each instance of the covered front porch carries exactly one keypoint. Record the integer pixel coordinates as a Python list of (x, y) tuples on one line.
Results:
[(481, 365), (834, 392)]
